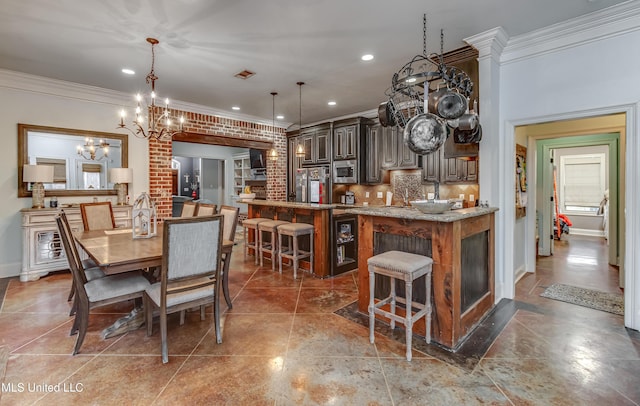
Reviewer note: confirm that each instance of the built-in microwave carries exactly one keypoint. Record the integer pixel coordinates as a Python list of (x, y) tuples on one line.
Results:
[(345, 171)]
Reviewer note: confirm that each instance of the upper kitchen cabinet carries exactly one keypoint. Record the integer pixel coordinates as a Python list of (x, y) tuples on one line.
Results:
[(346, 138), (317, 145), (437, 168), (370, 165), (395, 153)]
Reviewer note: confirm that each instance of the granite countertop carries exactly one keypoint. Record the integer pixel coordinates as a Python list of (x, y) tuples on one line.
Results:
[(413, 214)]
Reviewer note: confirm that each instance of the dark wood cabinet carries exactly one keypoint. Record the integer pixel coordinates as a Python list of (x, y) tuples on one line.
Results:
[(431, 167), (437, 168), (317, 145), (395, 153), (345, 142), (371, 165)]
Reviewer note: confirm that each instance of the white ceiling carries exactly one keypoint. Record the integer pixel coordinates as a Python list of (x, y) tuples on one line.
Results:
[(203, 43)]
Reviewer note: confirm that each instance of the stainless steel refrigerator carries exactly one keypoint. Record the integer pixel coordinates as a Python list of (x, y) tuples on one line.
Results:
[(313, 185)]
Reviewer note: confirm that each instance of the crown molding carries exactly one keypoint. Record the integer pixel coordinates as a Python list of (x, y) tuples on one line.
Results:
[(53, 87), (489, 43), (606, 23)]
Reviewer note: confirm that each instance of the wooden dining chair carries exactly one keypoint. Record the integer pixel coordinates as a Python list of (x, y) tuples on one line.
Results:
[(188, 209), (91, 271), (205, 209), (230, 224), (98, 292), (190, 273), (97, 216)]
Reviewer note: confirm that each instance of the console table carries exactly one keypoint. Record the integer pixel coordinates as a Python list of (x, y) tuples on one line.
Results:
[(42, 250)]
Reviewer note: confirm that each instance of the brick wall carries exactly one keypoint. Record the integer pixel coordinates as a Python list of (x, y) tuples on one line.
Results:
[(160, 153)]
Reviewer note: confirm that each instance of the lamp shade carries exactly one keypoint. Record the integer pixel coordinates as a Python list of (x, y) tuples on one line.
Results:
[(120, 175), (37, 173)]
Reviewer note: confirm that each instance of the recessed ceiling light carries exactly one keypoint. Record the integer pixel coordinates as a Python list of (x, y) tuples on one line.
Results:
[(331, 103), (367, 57), (235, 108), (128, 71), (280, 117)]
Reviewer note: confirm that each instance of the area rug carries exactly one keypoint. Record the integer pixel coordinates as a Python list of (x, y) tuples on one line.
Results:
[(594, 299)]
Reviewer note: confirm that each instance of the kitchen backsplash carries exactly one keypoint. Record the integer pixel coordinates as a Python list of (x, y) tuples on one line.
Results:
[(402, 183)]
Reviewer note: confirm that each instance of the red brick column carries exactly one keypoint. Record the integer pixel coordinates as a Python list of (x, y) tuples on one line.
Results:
[(160, 153)]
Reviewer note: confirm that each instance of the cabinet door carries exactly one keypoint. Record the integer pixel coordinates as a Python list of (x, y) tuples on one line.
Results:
[(323, 146), (407, 159), (471, 171), (372, 154), (452, 169), (389, 154), (351, 142), (338, 143), (309, 149), (431, 167)]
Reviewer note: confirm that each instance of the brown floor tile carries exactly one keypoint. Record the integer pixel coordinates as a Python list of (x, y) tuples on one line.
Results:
[(322, 381), (241, 337), (264, 300), (324, 300), (209, 380)]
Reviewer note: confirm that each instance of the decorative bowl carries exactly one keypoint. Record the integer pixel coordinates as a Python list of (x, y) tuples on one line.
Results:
[(432, 206), (247, 196)]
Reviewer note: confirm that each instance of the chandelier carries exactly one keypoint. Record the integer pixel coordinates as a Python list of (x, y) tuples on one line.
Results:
[(90, 149), (158, 121)]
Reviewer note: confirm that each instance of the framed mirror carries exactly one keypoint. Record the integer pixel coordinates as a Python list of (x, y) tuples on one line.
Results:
[(81, 159)]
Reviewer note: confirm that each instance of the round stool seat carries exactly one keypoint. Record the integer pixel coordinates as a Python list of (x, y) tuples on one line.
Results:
[(295, 229)]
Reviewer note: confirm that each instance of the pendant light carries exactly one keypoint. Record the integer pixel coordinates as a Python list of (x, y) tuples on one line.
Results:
[(273, 152), (300, 147)]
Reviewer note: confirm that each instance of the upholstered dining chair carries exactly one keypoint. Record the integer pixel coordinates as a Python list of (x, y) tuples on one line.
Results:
[(205, 209), (98, 292), (97, 216), (91, 271), (230, 224), (190, 273), (188, 209)]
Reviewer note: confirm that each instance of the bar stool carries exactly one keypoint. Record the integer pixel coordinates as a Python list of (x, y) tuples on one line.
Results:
[(407, 267), (252, 224), (270, 226), (293, 231)]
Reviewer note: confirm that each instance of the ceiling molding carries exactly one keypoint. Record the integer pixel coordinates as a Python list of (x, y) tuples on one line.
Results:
[(71, 90), (596, 26)]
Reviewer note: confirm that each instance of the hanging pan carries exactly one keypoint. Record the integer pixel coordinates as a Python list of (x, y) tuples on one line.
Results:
[(446, 103), (425, 133)]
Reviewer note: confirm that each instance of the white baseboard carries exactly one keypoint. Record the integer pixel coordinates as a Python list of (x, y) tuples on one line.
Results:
[(586, 231), (519, 273), (10, 270)]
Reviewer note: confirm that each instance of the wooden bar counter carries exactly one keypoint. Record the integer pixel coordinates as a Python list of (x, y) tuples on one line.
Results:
[(461, 244), (317, 214)]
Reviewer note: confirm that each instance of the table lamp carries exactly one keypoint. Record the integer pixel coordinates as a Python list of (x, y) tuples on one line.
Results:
[(37, 174), (121, 176)]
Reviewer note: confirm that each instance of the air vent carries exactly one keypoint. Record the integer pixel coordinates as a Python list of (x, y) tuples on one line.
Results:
[(245, 74)]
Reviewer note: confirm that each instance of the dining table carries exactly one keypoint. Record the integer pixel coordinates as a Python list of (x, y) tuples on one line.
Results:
[(116, 251)]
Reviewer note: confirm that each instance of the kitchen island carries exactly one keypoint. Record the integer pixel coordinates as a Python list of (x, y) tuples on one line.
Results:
[(317, 214), (461, 244)]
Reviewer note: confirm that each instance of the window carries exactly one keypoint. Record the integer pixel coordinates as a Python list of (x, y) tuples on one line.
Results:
[(582, 183)]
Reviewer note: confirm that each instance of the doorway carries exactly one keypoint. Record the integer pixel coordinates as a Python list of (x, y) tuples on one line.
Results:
[(542, 139)]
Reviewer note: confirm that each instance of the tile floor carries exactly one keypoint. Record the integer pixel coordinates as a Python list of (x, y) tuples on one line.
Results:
[(284, 345)]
